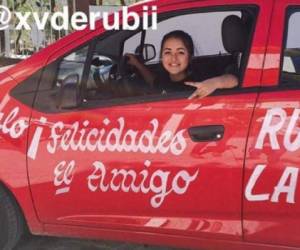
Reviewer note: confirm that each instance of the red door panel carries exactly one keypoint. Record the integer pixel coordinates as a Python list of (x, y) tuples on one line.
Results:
[(144, 172), (272, 168), (271, 202)]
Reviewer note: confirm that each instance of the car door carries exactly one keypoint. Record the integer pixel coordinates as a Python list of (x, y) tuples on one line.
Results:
[(151, 163), (271, 203)]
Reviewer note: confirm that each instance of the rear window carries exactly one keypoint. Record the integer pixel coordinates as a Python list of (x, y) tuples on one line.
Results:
[(290, 72)]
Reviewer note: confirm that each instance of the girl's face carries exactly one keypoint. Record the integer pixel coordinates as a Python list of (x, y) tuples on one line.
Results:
[(175, 58)]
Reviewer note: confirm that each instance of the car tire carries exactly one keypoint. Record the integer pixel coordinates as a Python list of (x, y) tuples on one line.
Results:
[(11, 221)]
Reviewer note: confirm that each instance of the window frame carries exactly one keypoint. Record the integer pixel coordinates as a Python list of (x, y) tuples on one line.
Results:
[(175, 96), (92, 104)]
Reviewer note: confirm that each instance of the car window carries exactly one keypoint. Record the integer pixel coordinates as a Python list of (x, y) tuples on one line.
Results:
[(205, 29), (210, 57), (51, 86), (109, 76), (72, 64), (130, 44), (105, 77), (290, 72)]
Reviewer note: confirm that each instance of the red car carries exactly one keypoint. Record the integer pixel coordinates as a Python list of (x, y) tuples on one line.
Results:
[(80, 160)]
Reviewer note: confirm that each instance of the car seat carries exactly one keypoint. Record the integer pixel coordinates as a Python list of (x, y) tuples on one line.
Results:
[(235, 41)]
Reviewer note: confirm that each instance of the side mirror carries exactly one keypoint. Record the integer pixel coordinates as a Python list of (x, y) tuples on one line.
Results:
[(69, 96), (148, 51)]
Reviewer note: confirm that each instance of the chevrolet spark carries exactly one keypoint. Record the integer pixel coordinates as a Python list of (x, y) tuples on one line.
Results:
[(82, 157)]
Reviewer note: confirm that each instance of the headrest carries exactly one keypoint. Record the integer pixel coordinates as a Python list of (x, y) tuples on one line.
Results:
[(234, 34)]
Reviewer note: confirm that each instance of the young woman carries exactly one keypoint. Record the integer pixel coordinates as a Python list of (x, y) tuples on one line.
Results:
[(177, 50)]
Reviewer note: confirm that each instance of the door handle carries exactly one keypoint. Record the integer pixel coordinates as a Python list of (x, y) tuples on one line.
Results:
[(206, 133)]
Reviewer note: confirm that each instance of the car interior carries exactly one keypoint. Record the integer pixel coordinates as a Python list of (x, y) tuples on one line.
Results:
[(112, 77), (97, 73)]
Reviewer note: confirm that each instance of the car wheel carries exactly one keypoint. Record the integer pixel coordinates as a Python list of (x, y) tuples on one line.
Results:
[(11, 221)]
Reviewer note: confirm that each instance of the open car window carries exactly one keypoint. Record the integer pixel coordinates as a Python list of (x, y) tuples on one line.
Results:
[(104, 77), (204, 28)]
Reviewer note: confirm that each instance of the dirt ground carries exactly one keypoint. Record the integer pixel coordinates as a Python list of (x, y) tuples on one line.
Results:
[(51, 243)]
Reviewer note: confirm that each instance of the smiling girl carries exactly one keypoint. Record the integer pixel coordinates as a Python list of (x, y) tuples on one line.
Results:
[(177, 50)]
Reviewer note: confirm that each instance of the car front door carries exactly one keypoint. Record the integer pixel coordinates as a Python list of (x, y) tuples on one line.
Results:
[(151, 163)]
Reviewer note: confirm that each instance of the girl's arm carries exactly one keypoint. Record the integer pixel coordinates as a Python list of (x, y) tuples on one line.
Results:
[(143, 70), (208, 86)]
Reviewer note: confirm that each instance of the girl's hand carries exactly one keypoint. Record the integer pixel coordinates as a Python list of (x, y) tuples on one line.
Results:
[(204, 88), (208, 86), (148, 76), (132, 60)]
